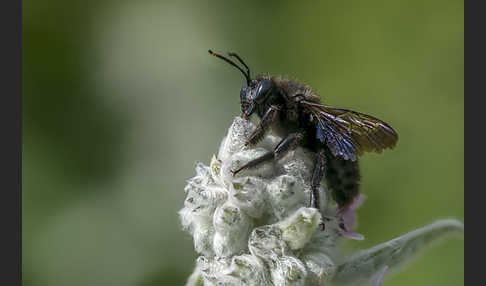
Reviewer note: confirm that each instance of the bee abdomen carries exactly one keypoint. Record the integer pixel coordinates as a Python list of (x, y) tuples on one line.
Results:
[(342, 177)]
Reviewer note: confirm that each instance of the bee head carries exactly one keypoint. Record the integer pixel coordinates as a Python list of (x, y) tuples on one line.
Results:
[(253, 91), (253, 95)]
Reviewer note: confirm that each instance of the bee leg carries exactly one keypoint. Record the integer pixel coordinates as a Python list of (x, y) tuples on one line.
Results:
[(267, 120), (288, 143), (255, 162), (318, 174)]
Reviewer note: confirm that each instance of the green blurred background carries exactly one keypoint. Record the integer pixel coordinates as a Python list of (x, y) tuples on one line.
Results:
[(120, 99)]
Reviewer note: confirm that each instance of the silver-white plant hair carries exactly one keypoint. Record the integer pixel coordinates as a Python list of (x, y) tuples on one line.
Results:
[(256, 228)]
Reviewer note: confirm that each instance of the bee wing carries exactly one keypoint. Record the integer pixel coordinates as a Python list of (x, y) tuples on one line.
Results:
[(349, 134)]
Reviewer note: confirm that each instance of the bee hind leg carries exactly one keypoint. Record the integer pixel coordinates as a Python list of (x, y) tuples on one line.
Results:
[(287, 144), (317, 175)]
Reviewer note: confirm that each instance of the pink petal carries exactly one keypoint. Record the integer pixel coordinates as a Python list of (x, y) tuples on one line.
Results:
[(352, 235), (348, 214), (378, 278), (349, 219), (357, 202)]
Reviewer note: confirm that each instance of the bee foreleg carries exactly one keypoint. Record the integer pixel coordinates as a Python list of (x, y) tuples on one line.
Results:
[(287, 144), (266, 121), (318, 174)]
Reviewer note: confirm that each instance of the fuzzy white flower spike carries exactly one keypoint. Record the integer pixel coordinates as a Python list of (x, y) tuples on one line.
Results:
[(256, 228)]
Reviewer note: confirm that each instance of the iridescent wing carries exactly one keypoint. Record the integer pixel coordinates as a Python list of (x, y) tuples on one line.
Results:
[(349, 134)]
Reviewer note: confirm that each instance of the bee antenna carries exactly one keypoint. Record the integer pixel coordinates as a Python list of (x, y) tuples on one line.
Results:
[(247, 75), (241, 61)]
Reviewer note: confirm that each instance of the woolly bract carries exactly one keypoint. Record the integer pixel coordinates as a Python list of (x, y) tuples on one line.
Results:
[(256, 228)]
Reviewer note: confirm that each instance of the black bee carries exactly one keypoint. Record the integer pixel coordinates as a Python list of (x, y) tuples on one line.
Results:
[(294, 112)]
